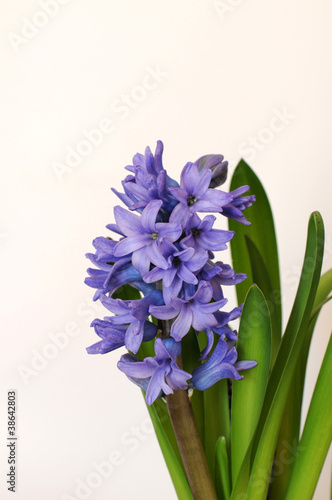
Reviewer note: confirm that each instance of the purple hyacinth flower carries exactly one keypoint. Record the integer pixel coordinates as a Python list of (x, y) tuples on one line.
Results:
[(113, 336), (234, 209), (159, 374), (152, 164), (201, 236), (149, 182), (218, 274), (107, 264), (221, 364), (142, 236), (221, 329), (134, 313), (183, 264), (194, 310), (223, 319), (195, 195)]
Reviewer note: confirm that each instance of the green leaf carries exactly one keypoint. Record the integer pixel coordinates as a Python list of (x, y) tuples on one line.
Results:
[(175, 469), (262, 448), (265, 438), (290, 426), (222, 480), (216, 419), (262, 234), (254, 343), (126, 292), (261, 277), (324, 287), (316, 436)]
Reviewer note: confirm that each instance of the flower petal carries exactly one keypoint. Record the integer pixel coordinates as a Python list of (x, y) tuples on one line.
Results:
[(154, 255), (203, 184), (149, 216), (182, 324), (128, 223), (141, 261), (130, 244), (190, 177), (163, 312), (186, 275)]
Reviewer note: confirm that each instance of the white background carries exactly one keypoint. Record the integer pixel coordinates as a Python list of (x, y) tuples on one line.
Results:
[(226, 70)]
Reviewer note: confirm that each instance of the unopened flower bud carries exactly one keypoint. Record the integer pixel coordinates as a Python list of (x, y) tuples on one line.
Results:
[(217, 166)]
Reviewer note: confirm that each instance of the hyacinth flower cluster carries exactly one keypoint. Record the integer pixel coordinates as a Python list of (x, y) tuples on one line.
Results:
[(165, 251)]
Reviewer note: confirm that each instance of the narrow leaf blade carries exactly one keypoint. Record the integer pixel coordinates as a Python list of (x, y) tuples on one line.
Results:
[(254, 343), (316, 436), (222, 480), (262, 234), (261, 277)]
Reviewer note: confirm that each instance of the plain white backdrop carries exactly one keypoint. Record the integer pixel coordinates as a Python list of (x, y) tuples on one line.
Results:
[(245, 79)]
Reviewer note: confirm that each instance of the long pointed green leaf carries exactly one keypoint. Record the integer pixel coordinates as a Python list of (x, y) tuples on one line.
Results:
[(316, 436), (177, 474), (222, 480), (254, 342), (265, 438), (262, 233), (261, 277)]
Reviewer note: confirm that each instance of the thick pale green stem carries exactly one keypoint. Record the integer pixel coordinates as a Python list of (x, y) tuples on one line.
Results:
[(190, 446)]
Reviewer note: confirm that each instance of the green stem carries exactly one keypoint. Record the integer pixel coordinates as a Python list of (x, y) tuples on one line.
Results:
[(190, 446)]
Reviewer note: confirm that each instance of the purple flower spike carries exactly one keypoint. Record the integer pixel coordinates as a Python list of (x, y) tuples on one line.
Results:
[(166, 252), (160, 374), (221, 364)]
